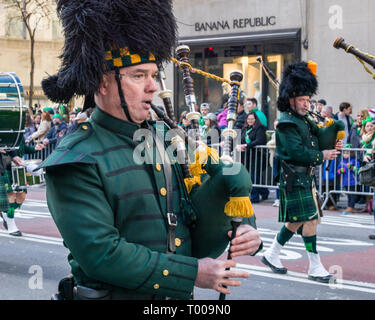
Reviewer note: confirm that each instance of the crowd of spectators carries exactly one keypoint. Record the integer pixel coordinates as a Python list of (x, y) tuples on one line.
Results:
[(342, 173), (47, 126)]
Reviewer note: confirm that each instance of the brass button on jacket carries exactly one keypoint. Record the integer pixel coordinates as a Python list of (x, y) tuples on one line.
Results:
[(163, 192)]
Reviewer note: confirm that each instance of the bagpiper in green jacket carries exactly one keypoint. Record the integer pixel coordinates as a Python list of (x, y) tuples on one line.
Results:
[(111, 213)]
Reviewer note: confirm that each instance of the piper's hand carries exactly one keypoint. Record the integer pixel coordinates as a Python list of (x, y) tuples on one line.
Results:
[(366, 158), (330, 154), (339, 145), (247, 241), (241, 147), (39, 147), (3, 151), (18, 161), (212, 275)]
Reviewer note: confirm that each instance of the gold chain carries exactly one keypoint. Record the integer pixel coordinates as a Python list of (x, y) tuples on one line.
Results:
[(203, 73)]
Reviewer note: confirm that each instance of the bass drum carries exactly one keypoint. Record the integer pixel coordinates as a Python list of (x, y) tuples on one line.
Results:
[(12, 111)]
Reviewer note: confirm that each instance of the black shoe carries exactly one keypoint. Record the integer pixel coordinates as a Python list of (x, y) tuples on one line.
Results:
[(16, 233), (326, 279), (273, 268), (371, 236)]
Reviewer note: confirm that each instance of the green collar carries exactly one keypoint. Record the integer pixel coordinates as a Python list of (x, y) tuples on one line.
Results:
[(113, 124)]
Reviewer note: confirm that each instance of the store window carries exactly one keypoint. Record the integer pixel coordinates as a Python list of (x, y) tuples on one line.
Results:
[(221, 59)]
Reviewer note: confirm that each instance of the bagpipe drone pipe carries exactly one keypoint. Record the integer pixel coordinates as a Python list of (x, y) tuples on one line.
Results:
[(219, 187)]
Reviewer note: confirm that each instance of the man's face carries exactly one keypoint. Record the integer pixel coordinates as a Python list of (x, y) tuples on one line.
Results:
[(319, 107), (325, 113), (138, 84), (300, 104), (204, 111), (250, 105), (56, 121), (348, 111)]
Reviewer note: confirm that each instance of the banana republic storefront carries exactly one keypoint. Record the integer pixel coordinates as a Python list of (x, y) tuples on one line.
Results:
[(226, 44), (227, 35), (221, 55)]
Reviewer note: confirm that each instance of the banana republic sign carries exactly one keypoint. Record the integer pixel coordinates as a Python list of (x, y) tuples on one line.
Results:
[(242, 23)]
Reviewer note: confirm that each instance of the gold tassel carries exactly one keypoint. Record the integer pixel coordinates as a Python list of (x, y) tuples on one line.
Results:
[(191, 182), (196, 169), (239, 207), (340, 135), (329, 122)]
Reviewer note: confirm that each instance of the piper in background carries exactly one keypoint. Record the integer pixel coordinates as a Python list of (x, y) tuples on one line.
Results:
[(298, 147)]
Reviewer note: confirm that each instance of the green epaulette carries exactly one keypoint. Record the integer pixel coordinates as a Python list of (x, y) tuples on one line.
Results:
[(65, 154), (287, 118)]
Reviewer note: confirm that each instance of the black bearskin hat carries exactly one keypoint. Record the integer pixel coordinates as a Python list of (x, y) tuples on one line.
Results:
[(298, 80), (101, 35)]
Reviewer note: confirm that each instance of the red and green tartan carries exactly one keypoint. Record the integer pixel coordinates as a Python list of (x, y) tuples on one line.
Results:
[(297, 205), (4, 203)]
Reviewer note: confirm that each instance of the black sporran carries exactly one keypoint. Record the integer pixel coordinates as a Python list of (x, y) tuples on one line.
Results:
[(367, 174)]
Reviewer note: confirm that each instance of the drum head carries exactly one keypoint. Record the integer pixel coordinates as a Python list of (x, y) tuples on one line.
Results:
[(12, 111)]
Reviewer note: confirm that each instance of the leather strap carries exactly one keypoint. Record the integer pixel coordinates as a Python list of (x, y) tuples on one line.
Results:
[(171, 216)]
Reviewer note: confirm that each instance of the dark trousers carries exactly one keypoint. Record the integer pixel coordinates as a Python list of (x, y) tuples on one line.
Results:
[(352, 198)]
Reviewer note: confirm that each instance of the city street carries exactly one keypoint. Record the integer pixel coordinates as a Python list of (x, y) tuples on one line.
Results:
[(32, 265)]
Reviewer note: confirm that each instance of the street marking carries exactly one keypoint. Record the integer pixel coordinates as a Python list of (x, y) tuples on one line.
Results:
[(33, 238), (353, 221), (302, 277)]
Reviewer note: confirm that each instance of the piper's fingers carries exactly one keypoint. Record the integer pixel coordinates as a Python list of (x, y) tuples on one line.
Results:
[(221, 289), (242, 250), (228, 264), (230, 283), (236, 274)]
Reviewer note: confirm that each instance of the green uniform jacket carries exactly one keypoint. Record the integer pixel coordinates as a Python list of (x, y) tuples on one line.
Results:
[(297, 144), (111, 212)]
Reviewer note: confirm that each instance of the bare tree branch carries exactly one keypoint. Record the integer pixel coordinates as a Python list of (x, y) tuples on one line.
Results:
[(32, 13)]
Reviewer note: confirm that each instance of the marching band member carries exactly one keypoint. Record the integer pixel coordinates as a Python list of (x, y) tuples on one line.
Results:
[(16, 194), (297, 146), (109, 206)]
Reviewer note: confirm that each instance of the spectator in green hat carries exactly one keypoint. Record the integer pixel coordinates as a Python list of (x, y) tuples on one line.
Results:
[(57, 132)]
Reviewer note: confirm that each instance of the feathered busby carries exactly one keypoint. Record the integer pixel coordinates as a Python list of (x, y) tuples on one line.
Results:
[(298, 80), (101, 35)]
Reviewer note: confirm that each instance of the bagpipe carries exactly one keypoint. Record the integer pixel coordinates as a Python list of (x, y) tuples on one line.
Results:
[(361, 56), (330, 130), (219, 187)]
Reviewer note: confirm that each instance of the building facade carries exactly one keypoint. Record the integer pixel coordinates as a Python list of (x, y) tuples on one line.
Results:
[(225, 35), (15, 48)]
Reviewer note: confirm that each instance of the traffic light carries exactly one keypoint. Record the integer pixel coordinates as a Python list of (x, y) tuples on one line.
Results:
[(209, 52)]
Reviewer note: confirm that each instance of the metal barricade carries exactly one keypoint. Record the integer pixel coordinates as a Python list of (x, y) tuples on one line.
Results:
[(344, 180), (329, 182), (41, 154)]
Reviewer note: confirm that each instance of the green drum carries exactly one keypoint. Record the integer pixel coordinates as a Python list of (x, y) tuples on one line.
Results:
[(12, 111), (24, 176), (33, 177), (19, 180)]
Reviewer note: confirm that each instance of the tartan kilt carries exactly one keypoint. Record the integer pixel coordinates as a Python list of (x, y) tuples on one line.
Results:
[(9, 183), (4, 202), (297, 206)]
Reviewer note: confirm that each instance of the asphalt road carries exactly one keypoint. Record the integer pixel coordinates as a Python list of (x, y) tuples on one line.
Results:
[(32, 265)]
